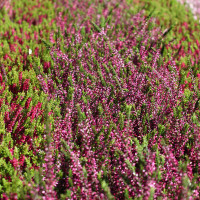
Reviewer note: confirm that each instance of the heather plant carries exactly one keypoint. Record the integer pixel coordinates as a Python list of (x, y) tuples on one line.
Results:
[(22, 102), (194, 6), (129, 127), (94, 104), (5, 3), (182, 39)]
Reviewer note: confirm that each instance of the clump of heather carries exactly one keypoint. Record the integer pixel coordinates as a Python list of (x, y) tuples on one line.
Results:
[(194, 5), (128, 126), (5, 3), (182, 40), (22, 102), (122, 96)]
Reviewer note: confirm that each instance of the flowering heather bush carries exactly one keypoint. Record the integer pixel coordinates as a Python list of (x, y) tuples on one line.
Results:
[(193, 5), (5, 3), (128, 127), (100, 109), (22, 103), (182, 40)]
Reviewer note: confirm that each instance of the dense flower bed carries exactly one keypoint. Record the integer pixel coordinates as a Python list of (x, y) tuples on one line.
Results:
[(99, 100)]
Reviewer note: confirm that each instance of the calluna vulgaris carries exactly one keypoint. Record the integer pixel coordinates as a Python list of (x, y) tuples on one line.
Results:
[(101, 109)]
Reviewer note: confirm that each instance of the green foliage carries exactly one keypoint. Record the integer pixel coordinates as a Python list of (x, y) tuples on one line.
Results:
[(15, 179), (141, 148), (106, 189)]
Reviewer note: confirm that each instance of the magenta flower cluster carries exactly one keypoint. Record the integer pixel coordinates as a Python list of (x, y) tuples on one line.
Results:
[(97, 101), (128, 127)]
